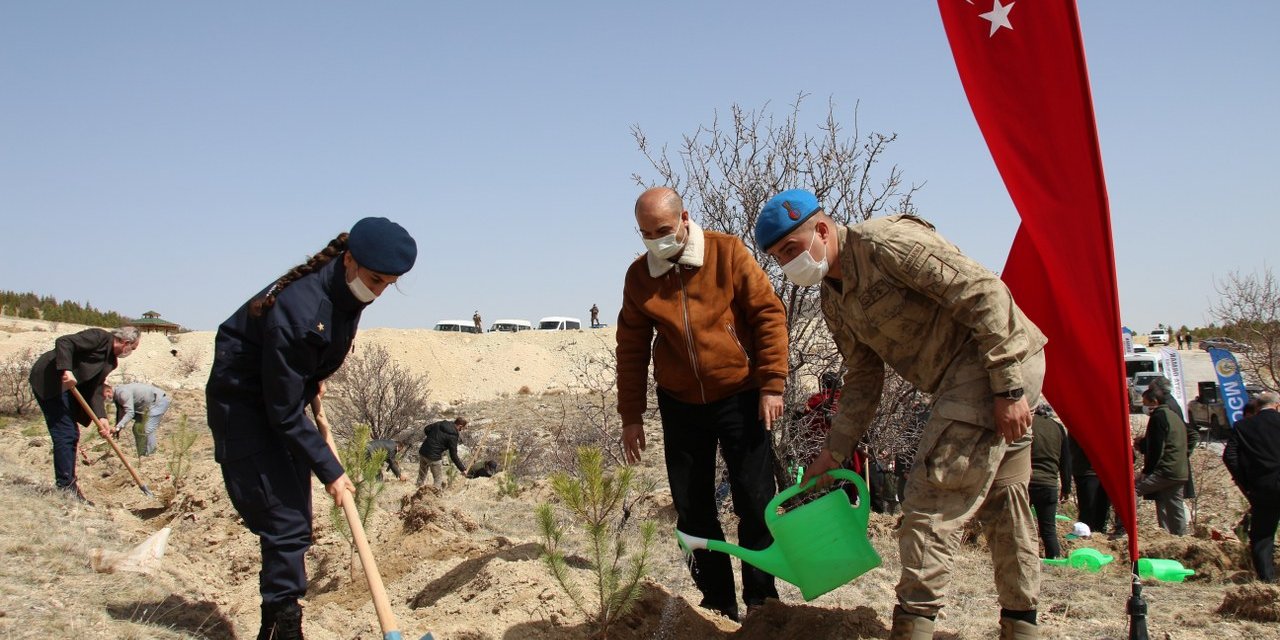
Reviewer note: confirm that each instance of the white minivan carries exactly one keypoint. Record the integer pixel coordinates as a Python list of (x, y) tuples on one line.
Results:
[(462, 326), (510, 325), (559, 323)]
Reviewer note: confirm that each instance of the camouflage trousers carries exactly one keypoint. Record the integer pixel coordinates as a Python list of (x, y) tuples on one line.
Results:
[(964, 469)]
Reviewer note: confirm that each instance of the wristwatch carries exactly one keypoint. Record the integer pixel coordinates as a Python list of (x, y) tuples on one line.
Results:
[(1012, 394)]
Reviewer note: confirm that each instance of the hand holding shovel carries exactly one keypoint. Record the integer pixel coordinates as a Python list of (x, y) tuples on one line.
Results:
[(381, 603)]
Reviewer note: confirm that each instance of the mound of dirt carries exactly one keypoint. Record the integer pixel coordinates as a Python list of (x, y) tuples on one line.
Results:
[(427, 507), (1213, 560), (778, 621), (1257, 602)]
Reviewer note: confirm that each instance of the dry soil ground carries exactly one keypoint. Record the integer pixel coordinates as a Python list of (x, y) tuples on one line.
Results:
[(465, 563)]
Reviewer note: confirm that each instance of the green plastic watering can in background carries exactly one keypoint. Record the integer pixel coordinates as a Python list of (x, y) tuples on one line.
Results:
[(1163, 570), (1090, 560), (818, 546)]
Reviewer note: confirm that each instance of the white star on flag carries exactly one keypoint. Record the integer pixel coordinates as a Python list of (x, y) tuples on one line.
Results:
[(998, 16)]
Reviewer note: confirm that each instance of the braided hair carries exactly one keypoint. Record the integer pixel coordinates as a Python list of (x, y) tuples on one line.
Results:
[(334, 249)]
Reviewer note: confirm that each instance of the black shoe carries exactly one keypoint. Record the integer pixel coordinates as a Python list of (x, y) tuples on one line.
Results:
[(729, 611), (281, 622), (73, 490)]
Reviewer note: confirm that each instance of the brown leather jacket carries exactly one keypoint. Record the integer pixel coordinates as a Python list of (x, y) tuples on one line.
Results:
[(720, 327)]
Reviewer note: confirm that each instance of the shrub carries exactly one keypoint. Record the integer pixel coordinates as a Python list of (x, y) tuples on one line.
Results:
[(594, 499), (178, 446), (362, 469), (15, 388)]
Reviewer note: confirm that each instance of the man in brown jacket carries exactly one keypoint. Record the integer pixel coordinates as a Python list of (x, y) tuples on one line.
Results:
[(720, 362), (896, 293)]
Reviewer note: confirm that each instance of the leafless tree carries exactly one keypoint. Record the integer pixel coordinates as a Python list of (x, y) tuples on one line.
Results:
[(15, 387), (1248, 307), (372, 388), (593, 401), (725, 171)]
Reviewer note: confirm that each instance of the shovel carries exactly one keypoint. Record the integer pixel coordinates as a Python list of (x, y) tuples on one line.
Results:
[(112, 441), (381, 603)]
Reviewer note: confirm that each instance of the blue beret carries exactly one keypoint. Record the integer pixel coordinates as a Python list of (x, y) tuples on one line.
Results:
[(381, 245), (782, 214)]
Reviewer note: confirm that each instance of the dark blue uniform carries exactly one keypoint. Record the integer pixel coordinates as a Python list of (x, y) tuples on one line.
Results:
[(266, 370)]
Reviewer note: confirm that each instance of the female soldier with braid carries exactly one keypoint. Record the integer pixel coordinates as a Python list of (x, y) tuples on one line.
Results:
[(270, 359)]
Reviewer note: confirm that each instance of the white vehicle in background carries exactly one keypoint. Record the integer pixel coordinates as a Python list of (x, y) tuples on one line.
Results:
[(510, 325), (459, 326), (1136, 363), (1158, 337), (559, 323)]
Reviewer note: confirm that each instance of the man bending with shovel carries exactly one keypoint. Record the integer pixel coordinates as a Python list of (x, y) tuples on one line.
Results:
[(270, 358)]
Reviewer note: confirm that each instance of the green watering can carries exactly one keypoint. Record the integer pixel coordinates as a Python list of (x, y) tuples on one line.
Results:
[(1163, 570), (817, 546), (1090, 560)]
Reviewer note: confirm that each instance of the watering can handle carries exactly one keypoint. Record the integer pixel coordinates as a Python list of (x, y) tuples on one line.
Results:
[(864, 500)]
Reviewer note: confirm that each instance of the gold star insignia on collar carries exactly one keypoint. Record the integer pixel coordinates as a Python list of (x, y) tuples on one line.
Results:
[(320, 327)]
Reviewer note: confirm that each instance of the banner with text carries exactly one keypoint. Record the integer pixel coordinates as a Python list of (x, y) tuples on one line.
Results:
[(1230, 384)]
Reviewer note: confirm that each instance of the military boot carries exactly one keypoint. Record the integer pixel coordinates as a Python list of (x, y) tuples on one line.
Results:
[(281, 622), (907, 626), (1011, 629)]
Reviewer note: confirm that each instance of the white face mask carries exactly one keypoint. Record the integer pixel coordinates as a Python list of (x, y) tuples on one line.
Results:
[(361, 291), (664, 247), (803, 269)]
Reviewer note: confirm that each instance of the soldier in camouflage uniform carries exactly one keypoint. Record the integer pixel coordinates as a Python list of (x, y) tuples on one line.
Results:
[(895, 292)]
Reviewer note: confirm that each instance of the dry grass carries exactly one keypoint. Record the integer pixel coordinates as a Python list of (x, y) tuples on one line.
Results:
[(48, 590)]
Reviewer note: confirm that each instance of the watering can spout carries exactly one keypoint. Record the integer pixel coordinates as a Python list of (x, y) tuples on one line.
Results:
[(770, 560)]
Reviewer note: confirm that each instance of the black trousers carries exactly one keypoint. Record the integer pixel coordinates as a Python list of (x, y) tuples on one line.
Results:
[(1094, 503), (1044, 499), (1263, 519), (65, 434), (691, 433), (272, 492)]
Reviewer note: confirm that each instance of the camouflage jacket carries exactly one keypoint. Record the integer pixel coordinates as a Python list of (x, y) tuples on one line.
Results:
[(910, 299)]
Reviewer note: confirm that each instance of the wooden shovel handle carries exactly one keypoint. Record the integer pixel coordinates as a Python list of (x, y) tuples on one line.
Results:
[(381, 603), (112, 441)]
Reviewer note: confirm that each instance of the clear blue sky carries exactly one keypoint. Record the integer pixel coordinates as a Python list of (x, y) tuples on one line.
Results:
[(179, 156)]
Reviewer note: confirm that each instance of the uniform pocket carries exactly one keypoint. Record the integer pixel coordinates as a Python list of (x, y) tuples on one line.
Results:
[(961, 459)]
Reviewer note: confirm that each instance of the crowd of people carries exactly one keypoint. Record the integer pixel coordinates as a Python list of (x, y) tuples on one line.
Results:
[(700, 308)]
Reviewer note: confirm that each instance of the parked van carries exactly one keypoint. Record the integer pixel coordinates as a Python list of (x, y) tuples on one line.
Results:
[(510, 325), (559, 323), (1136, 363), (462, 326)]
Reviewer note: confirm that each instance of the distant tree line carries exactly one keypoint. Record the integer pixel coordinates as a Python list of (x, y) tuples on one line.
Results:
[(36, 307)]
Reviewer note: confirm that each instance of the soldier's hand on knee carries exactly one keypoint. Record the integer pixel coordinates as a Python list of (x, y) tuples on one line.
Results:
[(337, 487), (1013, 418)]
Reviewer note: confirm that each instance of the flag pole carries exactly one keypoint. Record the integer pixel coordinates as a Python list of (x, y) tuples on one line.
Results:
[(1137, 608)]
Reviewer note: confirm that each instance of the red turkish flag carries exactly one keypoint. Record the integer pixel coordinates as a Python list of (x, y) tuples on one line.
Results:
[(1023, 68)]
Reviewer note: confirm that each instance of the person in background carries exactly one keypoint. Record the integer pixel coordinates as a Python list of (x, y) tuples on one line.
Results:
[(135, 401), (392, 449), (1252, 456), (79, 361), (271, 358), (476, 319), (441, 437), (595, 316), (1164, 471), (1092, 502), (1050, 469)]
